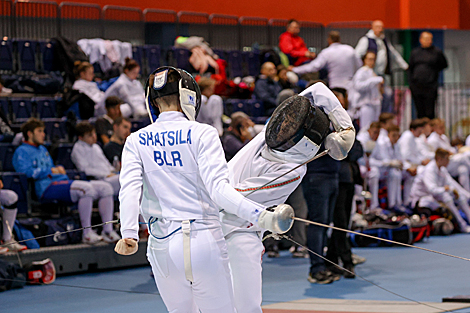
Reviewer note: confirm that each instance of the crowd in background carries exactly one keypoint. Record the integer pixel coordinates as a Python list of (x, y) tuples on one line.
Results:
[(417, 168)]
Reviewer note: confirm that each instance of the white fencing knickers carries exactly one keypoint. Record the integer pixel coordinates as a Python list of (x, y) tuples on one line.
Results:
[(246, 251), (211, 290)]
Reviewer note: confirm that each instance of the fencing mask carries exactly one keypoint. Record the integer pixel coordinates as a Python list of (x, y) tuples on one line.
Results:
[(296, 121), (162, 82)]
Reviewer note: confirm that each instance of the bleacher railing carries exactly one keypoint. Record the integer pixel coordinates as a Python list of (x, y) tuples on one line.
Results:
[(80, 20), (193, 24), (224, 32), (35, 19), (254, 32), (6, 18), (123, 23)]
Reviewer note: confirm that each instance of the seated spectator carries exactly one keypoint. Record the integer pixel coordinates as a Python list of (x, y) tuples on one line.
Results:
[(266, 88), (52, 183), (438, 138), (128, 88), (392, 168), (84, 74), (386, 120), (422, 141), (89, 158), (6, 134), (113, 149), (434, 186), (411, 154), (239, 133), (104, 124), (8, 201), (212, 106), (369, 169), (283, 79), (368, 89), (293, 45), (202, 58)]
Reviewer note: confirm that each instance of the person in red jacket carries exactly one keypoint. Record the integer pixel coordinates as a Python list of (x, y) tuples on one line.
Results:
[(293, 45)]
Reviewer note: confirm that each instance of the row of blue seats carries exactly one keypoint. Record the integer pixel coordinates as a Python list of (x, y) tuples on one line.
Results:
[(18, 110), (19, 55), (252, 107)]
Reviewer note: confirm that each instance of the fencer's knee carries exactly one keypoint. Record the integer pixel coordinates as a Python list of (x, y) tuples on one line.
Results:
[(84, 189), (9, 199), (102, 188)]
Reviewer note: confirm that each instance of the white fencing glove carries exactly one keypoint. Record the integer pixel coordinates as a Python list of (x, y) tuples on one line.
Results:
[(126, 246), (277, 219), (340, 142)]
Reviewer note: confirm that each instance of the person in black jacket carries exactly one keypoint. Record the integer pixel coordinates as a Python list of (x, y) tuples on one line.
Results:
[(425, 64)]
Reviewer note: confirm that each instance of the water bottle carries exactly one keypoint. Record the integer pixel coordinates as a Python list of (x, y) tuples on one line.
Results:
[(116, 164)]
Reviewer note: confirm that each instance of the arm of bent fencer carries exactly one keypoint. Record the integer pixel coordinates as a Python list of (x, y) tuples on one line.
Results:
[(130, 179), (214, 173), (430, 181)]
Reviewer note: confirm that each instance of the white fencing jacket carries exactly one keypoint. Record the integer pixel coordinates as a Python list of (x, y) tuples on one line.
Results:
[(431, 181), (424, 147), (365, 85), (340, 60), (175, 169), (440, 141), (211, 112), (384, 152), (409, 148), (91, 90), (129, 91), (91, 160)]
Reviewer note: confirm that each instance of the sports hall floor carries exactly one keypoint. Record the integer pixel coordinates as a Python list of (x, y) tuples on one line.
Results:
[(413, 273)]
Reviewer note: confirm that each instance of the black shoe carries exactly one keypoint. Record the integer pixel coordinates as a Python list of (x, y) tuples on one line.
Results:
[(351, 274), (322, 277)]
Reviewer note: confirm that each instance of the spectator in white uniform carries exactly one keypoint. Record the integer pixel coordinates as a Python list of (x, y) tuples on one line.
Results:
[(387, 56), (434, 188), (89, 158), (368, 90), (423, 146), (212, 106), (386, 120), (369, 168), (411, 154), (130, 90), (84, 73), (459, 165), (340, 60), (387, 156)]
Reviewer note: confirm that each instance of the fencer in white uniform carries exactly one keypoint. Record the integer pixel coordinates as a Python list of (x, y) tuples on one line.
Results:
[(434, 186), (257, 164), (175, 171), (132, 94)]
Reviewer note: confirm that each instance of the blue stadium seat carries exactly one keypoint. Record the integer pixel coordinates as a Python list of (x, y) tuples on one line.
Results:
[(21, 109), (256, 108), (18, 182), (55, 129), (5, 107), (6, 56), (46, 107), (235, 105), (26, 54), (64, 152), (181, 58), (138, 55), (221, 53), (252, 62), (153, 55), (235, 64), (6, 157), (138, 124), (47, 55)]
